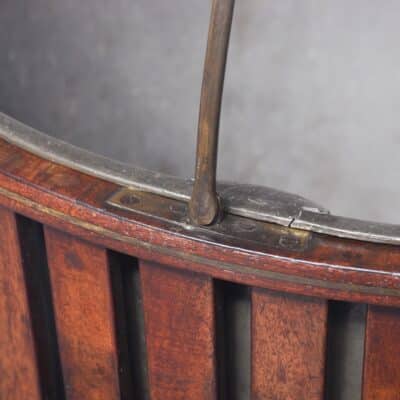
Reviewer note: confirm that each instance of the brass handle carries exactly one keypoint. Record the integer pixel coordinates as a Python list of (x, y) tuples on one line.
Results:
[(204, 205)]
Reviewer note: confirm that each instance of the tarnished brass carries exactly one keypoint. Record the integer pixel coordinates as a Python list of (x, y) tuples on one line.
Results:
[(251, 202), (234, 227), (204, 205)]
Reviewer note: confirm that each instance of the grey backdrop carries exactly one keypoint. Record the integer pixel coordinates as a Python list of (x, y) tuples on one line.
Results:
[(311, 102)]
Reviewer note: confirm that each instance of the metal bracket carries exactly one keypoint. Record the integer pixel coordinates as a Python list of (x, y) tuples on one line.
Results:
[(254, 202), (257, 203), (240, 230)]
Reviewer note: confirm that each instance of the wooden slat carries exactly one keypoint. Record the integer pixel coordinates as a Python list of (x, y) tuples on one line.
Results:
[(19, 377), (84, 316), (382, 354), (179, 320), (288, 346)]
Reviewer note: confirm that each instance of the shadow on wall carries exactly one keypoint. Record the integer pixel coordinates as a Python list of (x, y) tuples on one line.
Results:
[(311, 101)]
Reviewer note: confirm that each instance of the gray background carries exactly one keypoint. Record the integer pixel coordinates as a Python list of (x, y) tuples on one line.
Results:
[(311, 101)]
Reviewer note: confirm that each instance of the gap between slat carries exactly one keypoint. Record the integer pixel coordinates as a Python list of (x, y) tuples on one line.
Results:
[(233, 315), (345, 350), (129, 323), (37, 280)]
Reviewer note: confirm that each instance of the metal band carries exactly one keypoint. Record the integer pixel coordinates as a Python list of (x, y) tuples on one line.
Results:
[(254, 202)]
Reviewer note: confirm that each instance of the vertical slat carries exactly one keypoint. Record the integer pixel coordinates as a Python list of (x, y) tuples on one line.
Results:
[(81, 288), (288, 346), (382, 354), (179, 321), (19, 376)]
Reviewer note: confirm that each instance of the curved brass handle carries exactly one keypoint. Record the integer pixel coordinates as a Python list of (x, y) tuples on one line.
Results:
[(204, 205)]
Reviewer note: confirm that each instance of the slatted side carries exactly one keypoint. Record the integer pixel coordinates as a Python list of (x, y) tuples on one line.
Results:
[(179, 323), (382, 354), (288, 346), (19, 376), (81, 288)]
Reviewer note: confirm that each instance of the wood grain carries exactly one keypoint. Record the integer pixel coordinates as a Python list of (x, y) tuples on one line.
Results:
[(179, 320), (322, 266), (84, 317), (19, 377), (288, 346), (382, 354)]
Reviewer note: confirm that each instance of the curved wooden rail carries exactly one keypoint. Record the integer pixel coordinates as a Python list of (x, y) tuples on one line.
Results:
[(137, 302), (253, 252)]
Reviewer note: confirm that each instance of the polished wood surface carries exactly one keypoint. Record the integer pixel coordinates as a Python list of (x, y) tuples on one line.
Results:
[(288, 346), (81, 290), (382, 354), (19, 375), (180, 333)]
